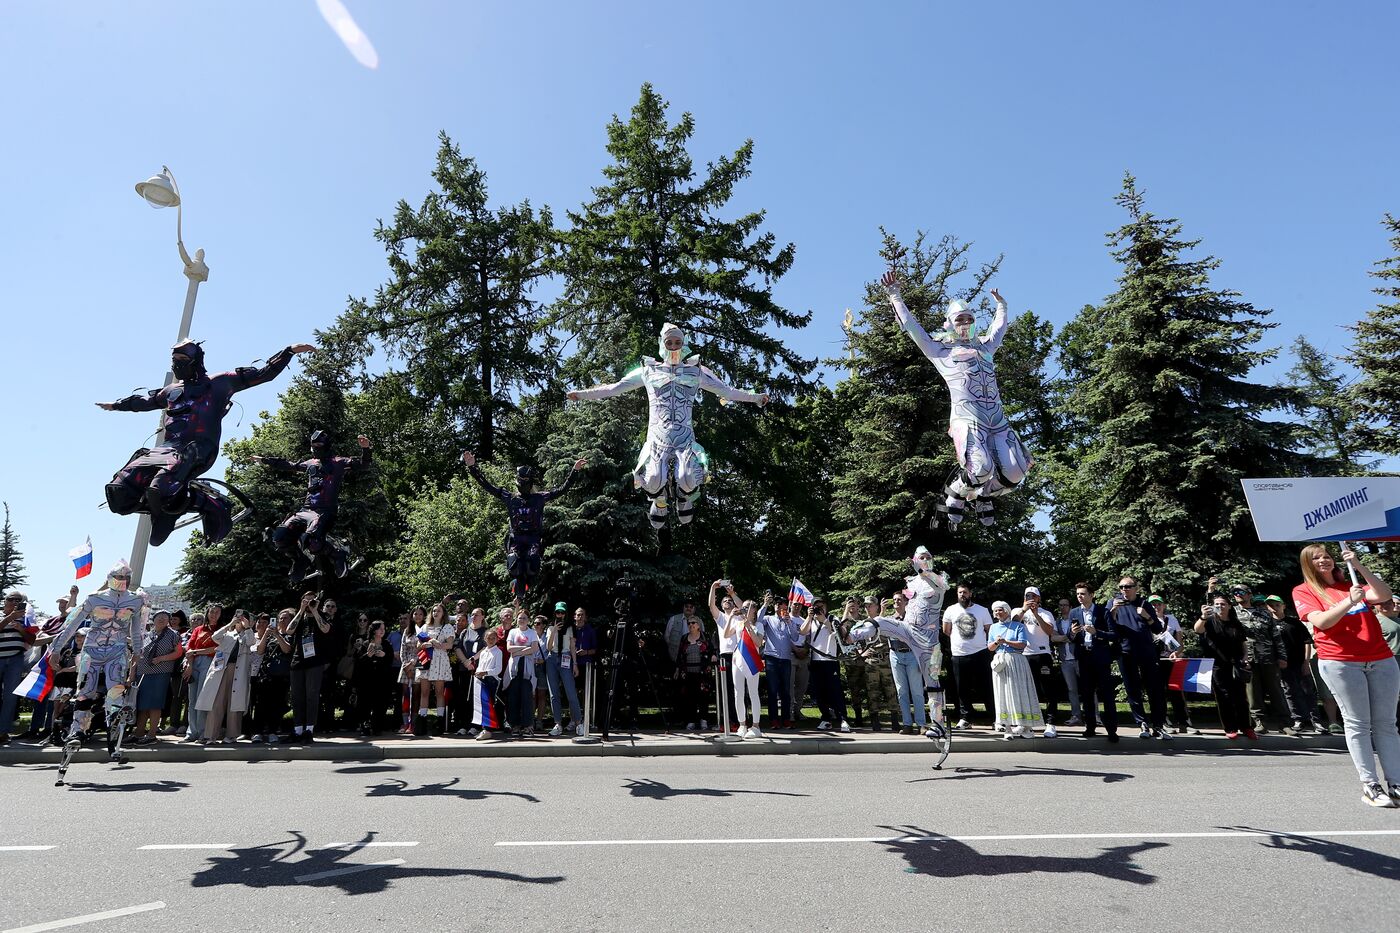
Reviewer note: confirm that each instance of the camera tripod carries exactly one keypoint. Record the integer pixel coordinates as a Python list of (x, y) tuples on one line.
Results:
[(623, 607)]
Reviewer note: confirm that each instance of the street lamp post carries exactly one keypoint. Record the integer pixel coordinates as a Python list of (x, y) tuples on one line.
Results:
[(162, 191)]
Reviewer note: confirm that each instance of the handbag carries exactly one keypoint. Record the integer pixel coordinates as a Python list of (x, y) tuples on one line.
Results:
[(1000, 661)]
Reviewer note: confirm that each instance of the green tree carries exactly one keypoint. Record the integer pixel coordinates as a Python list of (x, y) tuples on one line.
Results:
[(11, 560), (1157, 387), (449, 533), (1376, 395), (1329, 424)]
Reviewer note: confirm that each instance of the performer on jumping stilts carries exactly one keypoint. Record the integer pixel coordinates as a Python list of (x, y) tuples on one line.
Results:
[(525, 514), (115, 622), (991, 459), (673, 385), (302, 535), (919, 629), (158, 481)]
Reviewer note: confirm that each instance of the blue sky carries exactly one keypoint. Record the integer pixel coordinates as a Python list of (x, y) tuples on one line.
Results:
[(1269, 129)]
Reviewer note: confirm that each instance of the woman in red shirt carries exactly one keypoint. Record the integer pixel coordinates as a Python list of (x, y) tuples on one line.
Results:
[(1356, 663)]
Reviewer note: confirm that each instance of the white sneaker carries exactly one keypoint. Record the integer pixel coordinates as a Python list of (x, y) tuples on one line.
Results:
[(1007, 736), (754, 733), (823, 726), (690, 727), (580, 728), (557, 730), (738, 736), (845, 726), (1019, 732), (962, 724), (1050, 732), (1376, 796)]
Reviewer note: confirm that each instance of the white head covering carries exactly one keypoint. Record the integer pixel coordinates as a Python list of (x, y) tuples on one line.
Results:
[(953, 311), (123, 569), (922, 559), (1001, 604), (672, 357)]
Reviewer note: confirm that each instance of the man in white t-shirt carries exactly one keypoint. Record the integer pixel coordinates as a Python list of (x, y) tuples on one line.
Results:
[(966, 623), (1040, 625)]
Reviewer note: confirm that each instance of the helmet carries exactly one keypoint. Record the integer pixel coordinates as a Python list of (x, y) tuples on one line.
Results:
[(320, 443), (119, 577), (525, 477), (955, 310), (187, 360), (672, 357), (922, 559)]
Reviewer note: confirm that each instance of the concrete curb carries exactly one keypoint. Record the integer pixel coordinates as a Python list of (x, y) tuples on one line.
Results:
[(647, 744)]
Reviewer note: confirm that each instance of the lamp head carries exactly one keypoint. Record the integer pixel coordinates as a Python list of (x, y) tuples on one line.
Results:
[(159, 190)]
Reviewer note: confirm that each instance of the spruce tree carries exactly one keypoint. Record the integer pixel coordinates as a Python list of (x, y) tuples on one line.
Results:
[(1329, 424), (1166, 421), (11, 560), (1376, 395)]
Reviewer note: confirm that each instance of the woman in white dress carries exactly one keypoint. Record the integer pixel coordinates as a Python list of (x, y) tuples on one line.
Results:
[(1017, 706), (435, 639)]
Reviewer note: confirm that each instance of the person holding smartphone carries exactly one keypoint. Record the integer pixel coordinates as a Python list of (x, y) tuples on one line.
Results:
[(1136, 623), (16, 635), (1224, 639)]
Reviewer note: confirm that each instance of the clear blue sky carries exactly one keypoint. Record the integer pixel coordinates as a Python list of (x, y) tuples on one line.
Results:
[(1269, 129)]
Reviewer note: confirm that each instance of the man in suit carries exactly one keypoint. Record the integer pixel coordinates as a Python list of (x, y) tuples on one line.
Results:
[(1095, 640)]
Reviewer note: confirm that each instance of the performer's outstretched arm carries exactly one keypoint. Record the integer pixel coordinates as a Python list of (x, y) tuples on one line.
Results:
[(279, 464), (365, 457), (714, 384), (627, 383), (469, 459), (76, 617), (568, 481), (931, 348), (137, 401), (992, 339), (245, 377), (884, 625)]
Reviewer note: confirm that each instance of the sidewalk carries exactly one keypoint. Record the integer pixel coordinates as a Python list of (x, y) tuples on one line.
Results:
[(648, 743)]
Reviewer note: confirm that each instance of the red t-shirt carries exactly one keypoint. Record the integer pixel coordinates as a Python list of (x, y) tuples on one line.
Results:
[(201, 637), (1356, 636)]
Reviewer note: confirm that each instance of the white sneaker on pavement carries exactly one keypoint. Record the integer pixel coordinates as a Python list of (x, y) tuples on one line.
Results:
[(1050, 732), (754, 733), (580, 728), (557, 730), (845, 726), (1376, 796), (823, 726), (962, 724)]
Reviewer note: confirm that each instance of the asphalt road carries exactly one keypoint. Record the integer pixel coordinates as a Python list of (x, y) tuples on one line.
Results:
[(1262, 841)]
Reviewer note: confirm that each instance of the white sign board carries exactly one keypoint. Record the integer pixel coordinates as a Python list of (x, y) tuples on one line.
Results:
[(1325, 508)]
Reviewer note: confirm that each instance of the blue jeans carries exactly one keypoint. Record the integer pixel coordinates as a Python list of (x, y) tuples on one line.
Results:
[(778, 675), (909, 686), (556, 676), (1366, 691), (201, 665), (12, 671)]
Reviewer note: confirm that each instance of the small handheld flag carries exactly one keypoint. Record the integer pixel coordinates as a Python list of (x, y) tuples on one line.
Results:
[(1191, 675), (82, 558), (799, 595), (38, 682)]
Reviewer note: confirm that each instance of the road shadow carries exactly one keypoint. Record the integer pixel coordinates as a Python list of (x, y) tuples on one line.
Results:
[(967, 774), (160, 787), (941, 857), (397, 788), (275, 865), (1365, 861), (655, 790), (369, 769)]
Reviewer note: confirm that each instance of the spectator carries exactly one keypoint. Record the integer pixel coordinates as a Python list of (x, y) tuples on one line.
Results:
[(335, 683), (199, 656), (374, 678), (852, 667), (801, 663), (1169, 642), (471, 638), (175, 710), (42, 719), (224, 693), (260, 627), (1265, 687), (560, 664), (311, 638), (16, 635), (1298, 689), (693, 659), (825, 668), (1067, 654), (873, 676), (908, 678), (742, 617), (490, 667), (154, 666), (678, 626), (585, 641), (522, 644), (1040, 626), (776, 625), (721, 607), (1017, 706), (541, 626), (408, 663), (966, 624), (1094, 640), (1224, 639), (273, 679), (434, 671), (1135, 624), (1356, 662)]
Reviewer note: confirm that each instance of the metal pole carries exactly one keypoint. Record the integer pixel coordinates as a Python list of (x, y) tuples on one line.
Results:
[(196, 271), (587, 737)]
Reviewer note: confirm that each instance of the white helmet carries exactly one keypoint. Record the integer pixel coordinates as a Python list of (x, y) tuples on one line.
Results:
[(119, 577), (955, 310), (922, 559), (672, 357)]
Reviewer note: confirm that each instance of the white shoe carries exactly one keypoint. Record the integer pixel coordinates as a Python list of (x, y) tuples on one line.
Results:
[(557, 730), (1007, 736), (1377, 796), (754, 733), (963, 724), (1019, 732), (845, 726), (823, 726), (704, 725), (580, 728), (1050, 732), (690, 727), (738, 736)]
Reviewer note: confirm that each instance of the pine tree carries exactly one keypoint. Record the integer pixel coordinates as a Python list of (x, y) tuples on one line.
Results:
[(11, 560), (1376, 394), (1328, 422), (1158, 399)]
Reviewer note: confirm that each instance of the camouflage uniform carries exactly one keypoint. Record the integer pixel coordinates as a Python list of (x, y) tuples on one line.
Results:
[(873, 681)]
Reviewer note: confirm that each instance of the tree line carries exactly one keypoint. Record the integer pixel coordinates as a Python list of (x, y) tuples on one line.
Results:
[(1143, 411)]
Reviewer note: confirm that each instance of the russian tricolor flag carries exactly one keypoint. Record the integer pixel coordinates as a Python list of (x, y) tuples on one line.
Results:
[(799, 595), (82, 558), (746, 654), (38, 682), (484, 713), (1191, 675)]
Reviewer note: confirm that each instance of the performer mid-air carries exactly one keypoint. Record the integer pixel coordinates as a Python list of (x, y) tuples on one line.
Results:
[(302, 536), (160, 481), (525, 515), (671, 453), (991, 460)]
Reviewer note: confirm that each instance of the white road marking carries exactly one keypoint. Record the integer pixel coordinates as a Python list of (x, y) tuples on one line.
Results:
[(87, 918), (367, 845), (26, 848), (1018, 837), (187, 845), (347, 870)]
